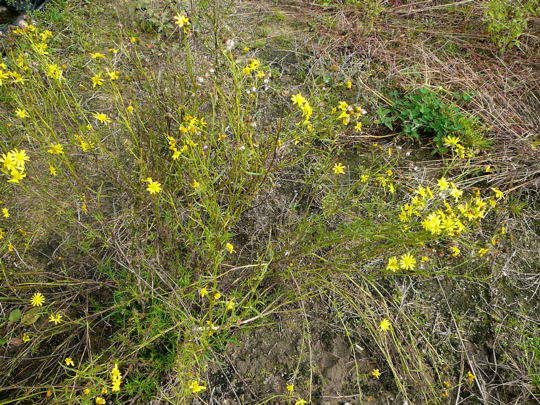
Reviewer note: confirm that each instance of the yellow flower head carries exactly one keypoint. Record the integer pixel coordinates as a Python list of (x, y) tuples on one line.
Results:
[(21, 113), (153, 186), (69, 362), (56, 319), (100, 401), (376, 373), (290, 387), (230, 248), (116, 379), (97, 80), (37, 300), (103, 118), (385, 325), (56, 149), (181, 20), (482, 251), (498, 193), (195, 387), (443, 184), (455, 251), (113, 75), (392, 264), (339, 168), (407, 262)]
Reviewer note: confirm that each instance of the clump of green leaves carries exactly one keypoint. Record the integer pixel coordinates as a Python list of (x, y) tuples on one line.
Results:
[(422, 113), (507, 20)]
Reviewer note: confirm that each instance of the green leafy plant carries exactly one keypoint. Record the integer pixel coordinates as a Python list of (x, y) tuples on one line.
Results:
[(423, 113), (507, 20)]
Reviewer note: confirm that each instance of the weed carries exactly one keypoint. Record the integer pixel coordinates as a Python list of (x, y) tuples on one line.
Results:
[(507, 20), (422, 113)]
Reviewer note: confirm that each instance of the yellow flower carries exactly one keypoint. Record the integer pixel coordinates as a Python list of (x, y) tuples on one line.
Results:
[(290, 387), (230, 305), (203, 292), (358, 127), (85, 145), (339, 168), (498, 193), (52, 171), (97, 55), (113, 75), (40, 48), (130, 109), (103, 118), (297, 99), (54, 72), (376, 373), (385, 325), (195, 184), (181, 20), (116, 379), (443, 184), (56, 149), (482, 251), (455, 251), (300, 401), (230, 248), (97, 80), (392, 264), (37, 300), (195, 387), (217, 296), (21, 113), (407, 262), (470, 376), (5, 212), (26, 337), (424, 259), (153, 186), (16, 176), (69, 362), (100, 401), (452, 141), (455, 192), (113, 50), (45, 35), (86, 391), (56, 319)]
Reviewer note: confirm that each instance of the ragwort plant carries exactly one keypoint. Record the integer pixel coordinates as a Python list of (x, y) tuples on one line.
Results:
[(145, 181)]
